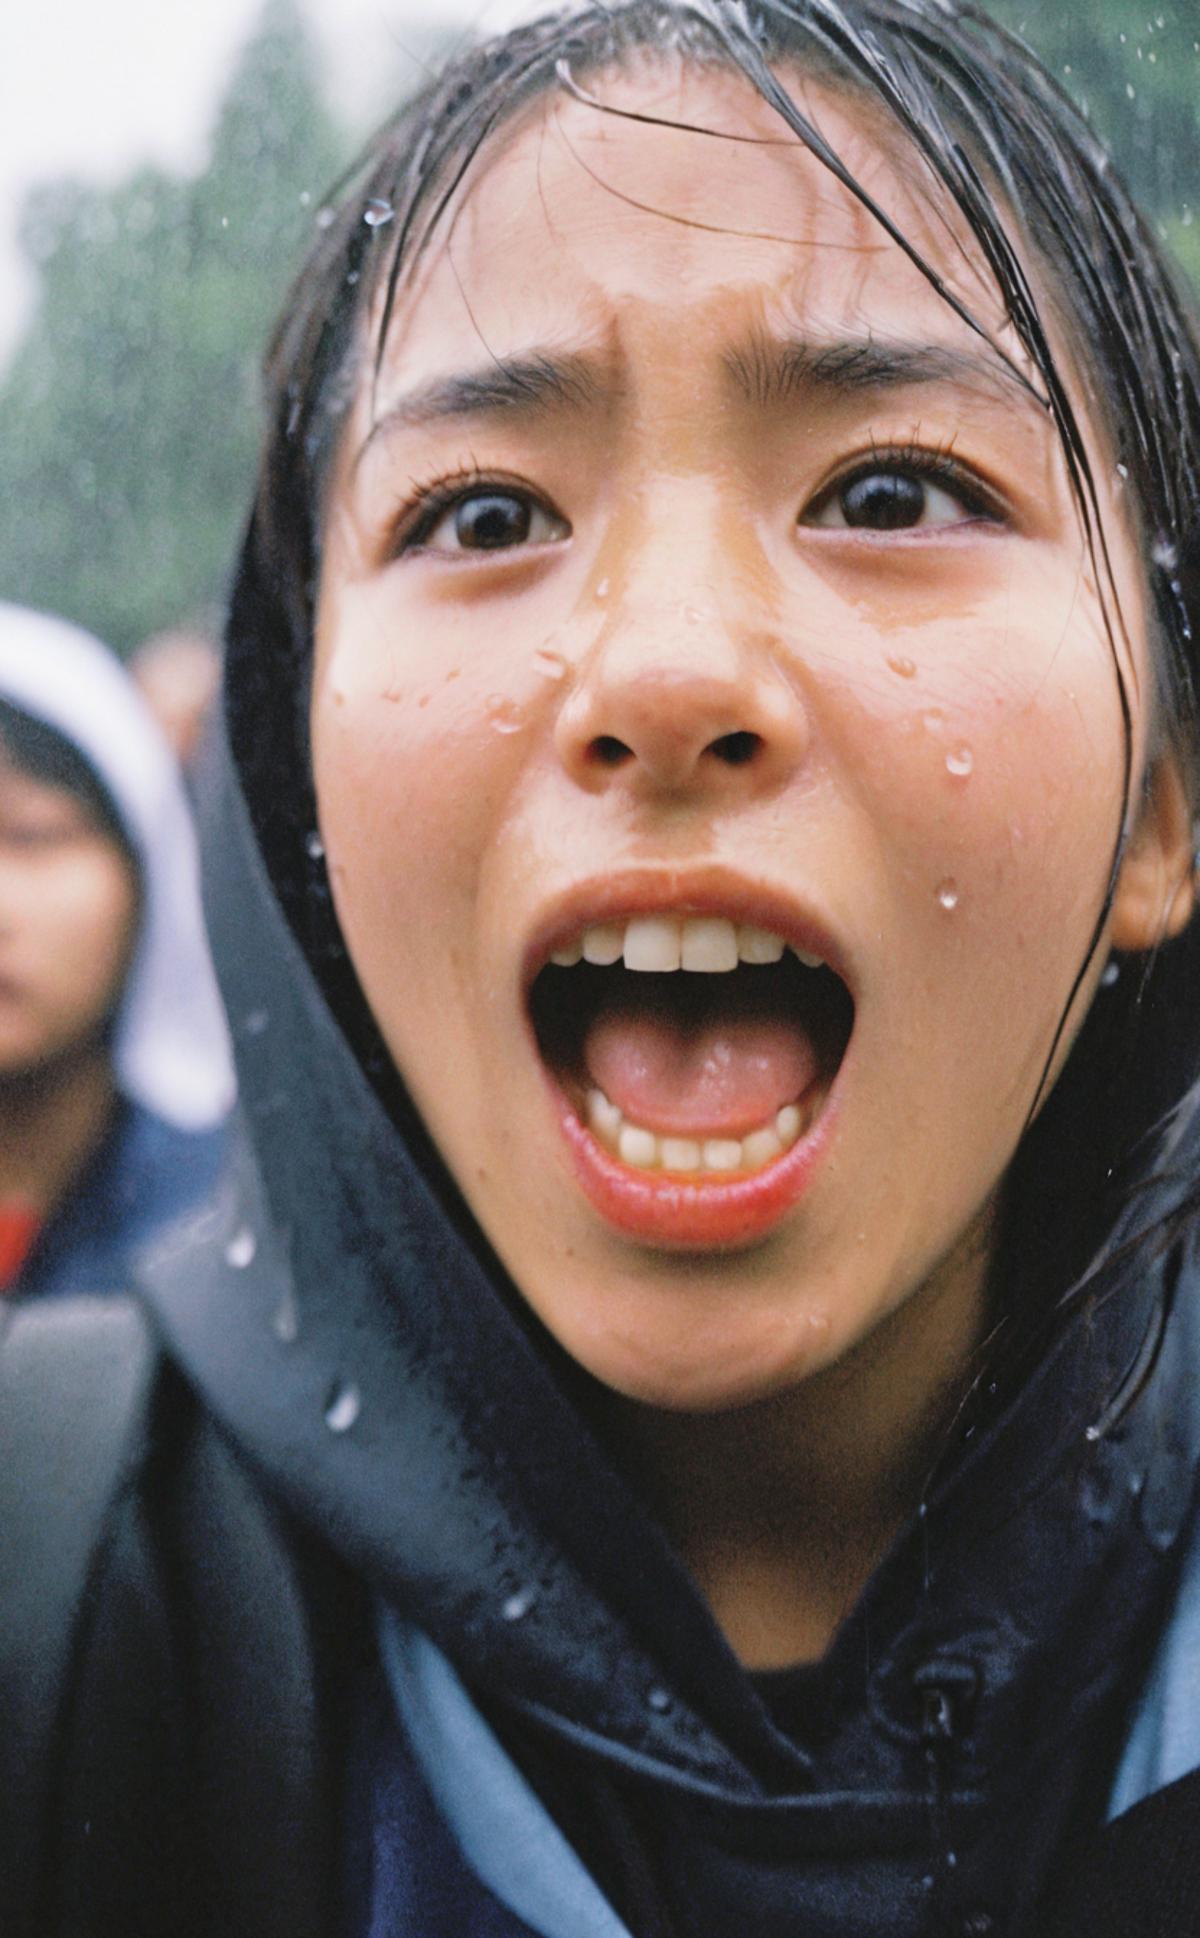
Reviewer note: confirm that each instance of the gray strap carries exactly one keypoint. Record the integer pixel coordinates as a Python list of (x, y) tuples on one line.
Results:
[(75, 1382)]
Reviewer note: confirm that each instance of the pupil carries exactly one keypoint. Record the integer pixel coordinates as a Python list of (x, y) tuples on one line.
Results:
[(885, 500), (491, 520)]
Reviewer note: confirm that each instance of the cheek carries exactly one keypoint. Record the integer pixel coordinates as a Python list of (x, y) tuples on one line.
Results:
[(88, 912), (993, 766)]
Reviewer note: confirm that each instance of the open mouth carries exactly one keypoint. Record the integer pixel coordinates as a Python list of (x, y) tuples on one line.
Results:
[(695, 1050)]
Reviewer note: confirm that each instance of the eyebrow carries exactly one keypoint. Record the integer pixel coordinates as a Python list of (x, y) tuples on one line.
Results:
[(771, 371), (525, 384)]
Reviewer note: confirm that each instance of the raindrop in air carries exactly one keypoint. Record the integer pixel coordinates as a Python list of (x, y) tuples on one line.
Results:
[(314, 847), (1112, 974), (902, 666), (285, 1320), (516, 1606), (324, 218), (343, 1407), (241, 1249), (659, 1699), (378, 213), (947, 894), (1164, 553), (959, 762)]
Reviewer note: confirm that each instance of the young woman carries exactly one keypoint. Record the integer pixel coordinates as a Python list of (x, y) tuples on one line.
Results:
[(702, 884), (115, 1074)]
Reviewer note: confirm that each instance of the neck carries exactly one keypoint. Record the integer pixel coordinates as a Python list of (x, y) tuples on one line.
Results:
[(783, 1509), (51, 1120)]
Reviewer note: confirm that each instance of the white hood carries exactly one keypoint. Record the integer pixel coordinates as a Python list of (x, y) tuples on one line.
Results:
[(171, 1048)]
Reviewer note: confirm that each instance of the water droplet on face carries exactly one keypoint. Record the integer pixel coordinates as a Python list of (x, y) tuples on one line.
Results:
[(343, 1407), (378, 213), (903, 667), (551, 666), (314, 847), (602, 589), (1112, 974), (517, 1605), (1122, 471), (933, 720), (692, 616), (947, 894), (241, 1249), (959, 762), (504, 716)]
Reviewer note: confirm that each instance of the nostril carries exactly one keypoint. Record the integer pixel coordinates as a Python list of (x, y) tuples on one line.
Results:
[(736, 749), (609, 751)]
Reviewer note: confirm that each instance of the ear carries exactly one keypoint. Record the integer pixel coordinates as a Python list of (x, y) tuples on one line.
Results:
[(1156, 886)]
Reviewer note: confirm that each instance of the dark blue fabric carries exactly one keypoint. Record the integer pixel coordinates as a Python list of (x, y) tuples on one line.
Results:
[(406, 1877), (145, 1174)]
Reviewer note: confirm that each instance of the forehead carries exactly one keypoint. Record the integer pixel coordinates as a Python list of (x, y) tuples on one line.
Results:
[(589, 225)]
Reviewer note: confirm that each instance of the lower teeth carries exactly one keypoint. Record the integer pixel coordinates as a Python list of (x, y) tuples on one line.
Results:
[(645, 1150)]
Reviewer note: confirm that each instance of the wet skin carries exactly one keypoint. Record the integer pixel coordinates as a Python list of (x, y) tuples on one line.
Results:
[(67, 914), (510, 741)]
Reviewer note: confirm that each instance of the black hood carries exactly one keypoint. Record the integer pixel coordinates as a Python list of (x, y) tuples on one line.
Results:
[(342, 1316)]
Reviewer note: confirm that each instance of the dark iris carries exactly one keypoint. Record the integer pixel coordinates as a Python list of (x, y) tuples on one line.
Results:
[(886, 501), (489, 520)]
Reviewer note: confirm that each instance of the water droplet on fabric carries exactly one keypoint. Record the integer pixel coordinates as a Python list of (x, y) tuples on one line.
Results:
[(902, 666), (959, 762), (1164, 553), (314, 847), (1130, 90), (305, 197), (285, 1320), (241, 1249), (324, 218), (659, 1700), (255, 1022), (947, 894), (1112, 974), (504, 716), (343, 1407), (1091, 1434), (516, 1606), (378, 213), (552, 666)]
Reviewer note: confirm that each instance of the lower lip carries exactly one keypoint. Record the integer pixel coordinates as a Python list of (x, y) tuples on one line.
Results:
[(675, 1213)]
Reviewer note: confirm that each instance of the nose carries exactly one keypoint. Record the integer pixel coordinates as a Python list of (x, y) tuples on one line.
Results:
[(674, 698)]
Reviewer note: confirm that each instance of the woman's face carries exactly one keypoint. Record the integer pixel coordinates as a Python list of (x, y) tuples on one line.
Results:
[(68, 904), (700, 592)]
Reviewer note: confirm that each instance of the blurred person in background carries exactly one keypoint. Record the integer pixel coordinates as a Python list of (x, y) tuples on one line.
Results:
[(115, 1074), (177, 674)]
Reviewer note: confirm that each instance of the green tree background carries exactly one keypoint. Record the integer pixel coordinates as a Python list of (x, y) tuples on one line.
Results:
[(129, 414)]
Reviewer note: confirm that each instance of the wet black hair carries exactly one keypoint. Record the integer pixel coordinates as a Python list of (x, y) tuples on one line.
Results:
[(1071, 258), (43, 754)]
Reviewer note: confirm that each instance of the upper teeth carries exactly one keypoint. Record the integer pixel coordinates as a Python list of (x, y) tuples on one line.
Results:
[(707, 943)]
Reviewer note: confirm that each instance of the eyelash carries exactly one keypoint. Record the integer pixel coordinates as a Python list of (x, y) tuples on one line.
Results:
[(430, 503), (934, 463)]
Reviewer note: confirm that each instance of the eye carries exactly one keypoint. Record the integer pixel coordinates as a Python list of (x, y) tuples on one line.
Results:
[(924, 492), (490, 519)]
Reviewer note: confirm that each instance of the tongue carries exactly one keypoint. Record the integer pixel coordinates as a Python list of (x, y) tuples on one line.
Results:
[(724, 1076)]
